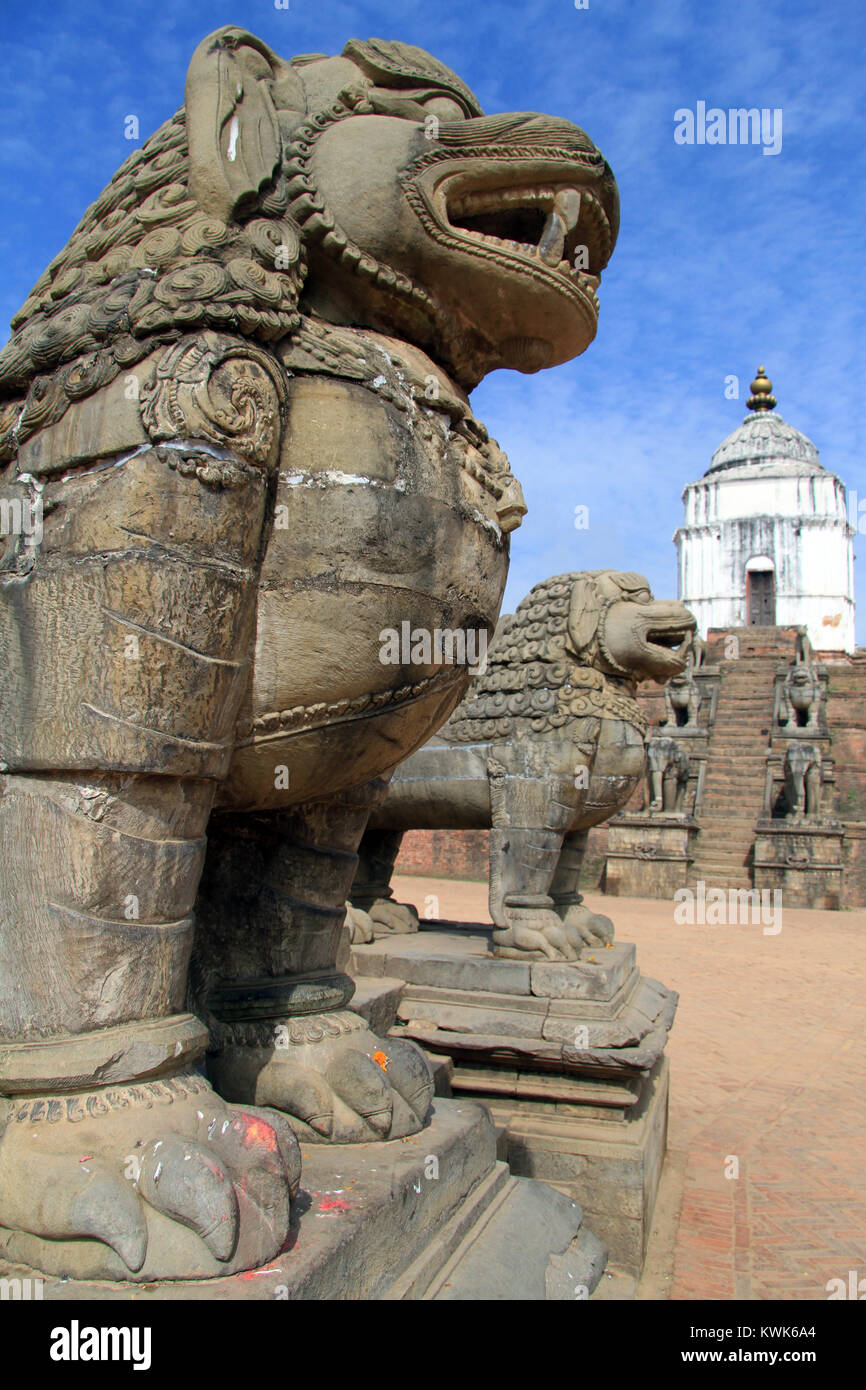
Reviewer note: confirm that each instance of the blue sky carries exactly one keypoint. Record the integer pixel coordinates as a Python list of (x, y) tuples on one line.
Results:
[(726, 257)]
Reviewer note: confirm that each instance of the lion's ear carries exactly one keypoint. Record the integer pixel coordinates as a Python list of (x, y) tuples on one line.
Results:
[(583, 612), (232, 127)]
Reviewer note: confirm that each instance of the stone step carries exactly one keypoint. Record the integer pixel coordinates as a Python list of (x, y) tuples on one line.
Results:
[(729, 806), (732, 734), (415, 1281), (734, 863), (715, 853), (537, 1220), (724, 785), (738, 747), (738, 853), (377, 1000), (724, 847), (743, 736), (718, 873), (731, 826)]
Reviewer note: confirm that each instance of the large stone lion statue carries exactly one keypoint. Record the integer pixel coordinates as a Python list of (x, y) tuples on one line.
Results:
[(234, 428), (548, 742)]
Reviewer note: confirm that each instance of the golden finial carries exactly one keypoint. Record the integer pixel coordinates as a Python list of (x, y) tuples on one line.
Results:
[(762, 397)]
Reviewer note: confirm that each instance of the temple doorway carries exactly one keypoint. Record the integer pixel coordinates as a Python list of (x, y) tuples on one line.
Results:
[(760, 597)]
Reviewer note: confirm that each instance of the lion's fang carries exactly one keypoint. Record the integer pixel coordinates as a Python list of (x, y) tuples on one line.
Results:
[(560, 221)]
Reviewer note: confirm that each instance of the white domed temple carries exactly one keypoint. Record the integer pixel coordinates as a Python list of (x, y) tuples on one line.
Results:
[(766, 540)]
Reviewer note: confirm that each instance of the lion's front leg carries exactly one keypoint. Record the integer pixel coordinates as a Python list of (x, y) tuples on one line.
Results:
[(371, 891), (530, 815), (127, 643), (593, 928), (265, 975)]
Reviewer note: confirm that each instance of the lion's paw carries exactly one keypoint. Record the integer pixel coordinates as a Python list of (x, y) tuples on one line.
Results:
[(331, 1075), (538, 933), (393, 919), (593, 928), (160, 1180)]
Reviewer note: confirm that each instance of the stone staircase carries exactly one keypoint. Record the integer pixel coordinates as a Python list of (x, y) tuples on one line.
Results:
[(733, 795)]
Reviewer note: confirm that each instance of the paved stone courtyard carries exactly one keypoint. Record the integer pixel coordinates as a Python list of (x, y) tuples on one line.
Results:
[(768, 1078)]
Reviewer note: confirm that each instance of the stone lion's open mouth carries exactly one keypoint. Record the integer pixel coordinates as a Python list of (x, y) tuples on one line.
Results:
[(676, 638), (557, 225)]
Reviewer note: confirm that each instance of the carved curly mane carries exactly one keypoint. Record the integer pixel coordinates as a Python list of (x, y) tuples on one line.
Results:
[(535, 680), (144, 266)]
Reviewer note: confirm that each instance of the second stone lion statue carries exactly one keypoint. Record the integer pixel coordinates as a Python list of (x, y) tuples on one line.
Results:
[(548, 742)]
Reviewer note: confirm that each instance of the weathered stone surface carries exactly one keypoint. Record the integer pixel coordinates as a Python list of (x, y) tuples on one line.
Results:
[(803, 861), (597, 975), (462, 1011), (559, 1259), (377, 1001), (614, 1167), (594, 1018), (649, 855)]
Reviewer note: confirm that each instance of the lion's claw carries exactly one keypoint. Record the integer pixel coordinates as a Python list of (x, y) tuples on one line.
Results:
[(593, 928), (158, 1181), (333, 1078)]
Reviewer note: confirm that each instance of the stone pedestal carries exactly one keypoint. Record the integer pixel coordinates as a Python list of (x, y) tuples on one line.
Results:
[(569, 1057), (609, 1157), (436, 1216), (803, 858), (648, 856)]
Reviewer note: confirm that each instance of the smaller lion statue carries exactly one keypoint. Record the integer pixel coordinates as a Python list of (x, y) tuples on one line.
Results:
[(548, 741), (667, 776)]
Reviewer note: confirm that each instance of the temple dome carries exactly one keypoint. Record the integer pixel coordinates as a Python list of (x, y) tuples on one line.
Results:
[(766, 540), (764, 438)]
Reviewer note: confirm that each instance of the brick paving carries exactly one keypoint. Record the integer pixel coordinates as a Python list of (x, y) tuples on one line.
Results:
[(768, 1076)]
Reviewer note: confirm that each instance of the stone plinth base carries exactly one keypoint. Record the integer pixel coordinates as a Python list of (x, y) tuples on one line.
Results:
[(610, 1158), (648, 856), (436, 1216), (802, 858), (567, 1056)]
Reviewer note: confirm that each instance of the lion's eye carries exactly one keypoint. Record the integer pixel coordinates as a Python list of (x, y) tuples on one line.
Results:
[(444, 108)]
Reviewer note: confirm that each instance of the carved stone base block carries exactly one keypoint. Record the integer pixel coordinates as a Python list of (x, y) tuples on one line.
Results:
[(568, 1057), (434, 1217), (649, 856), (609, 1158), (803, 858)]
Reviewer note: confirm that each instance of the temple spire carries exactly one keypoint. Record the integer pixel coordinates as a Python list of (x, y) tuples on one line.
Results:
[(762, 397)]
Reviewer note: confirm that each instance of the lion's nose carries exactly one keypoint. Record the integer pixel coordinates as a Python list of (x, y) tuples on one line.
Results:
[(516, 128)]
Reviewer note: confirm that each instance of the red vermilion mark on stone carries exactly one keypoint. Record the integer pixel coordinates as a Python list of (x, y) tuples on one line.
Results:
[(333, 1204), (382, 1059), (257, 1132)]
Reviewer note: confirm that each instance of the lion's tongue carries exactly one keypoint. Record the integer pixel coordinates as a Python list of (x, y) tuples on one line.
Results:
[(561, 219)]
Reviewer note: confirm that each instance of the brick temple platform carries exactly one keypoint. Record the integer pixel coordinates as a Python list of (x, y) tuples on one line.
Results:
[(768, 1067)]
